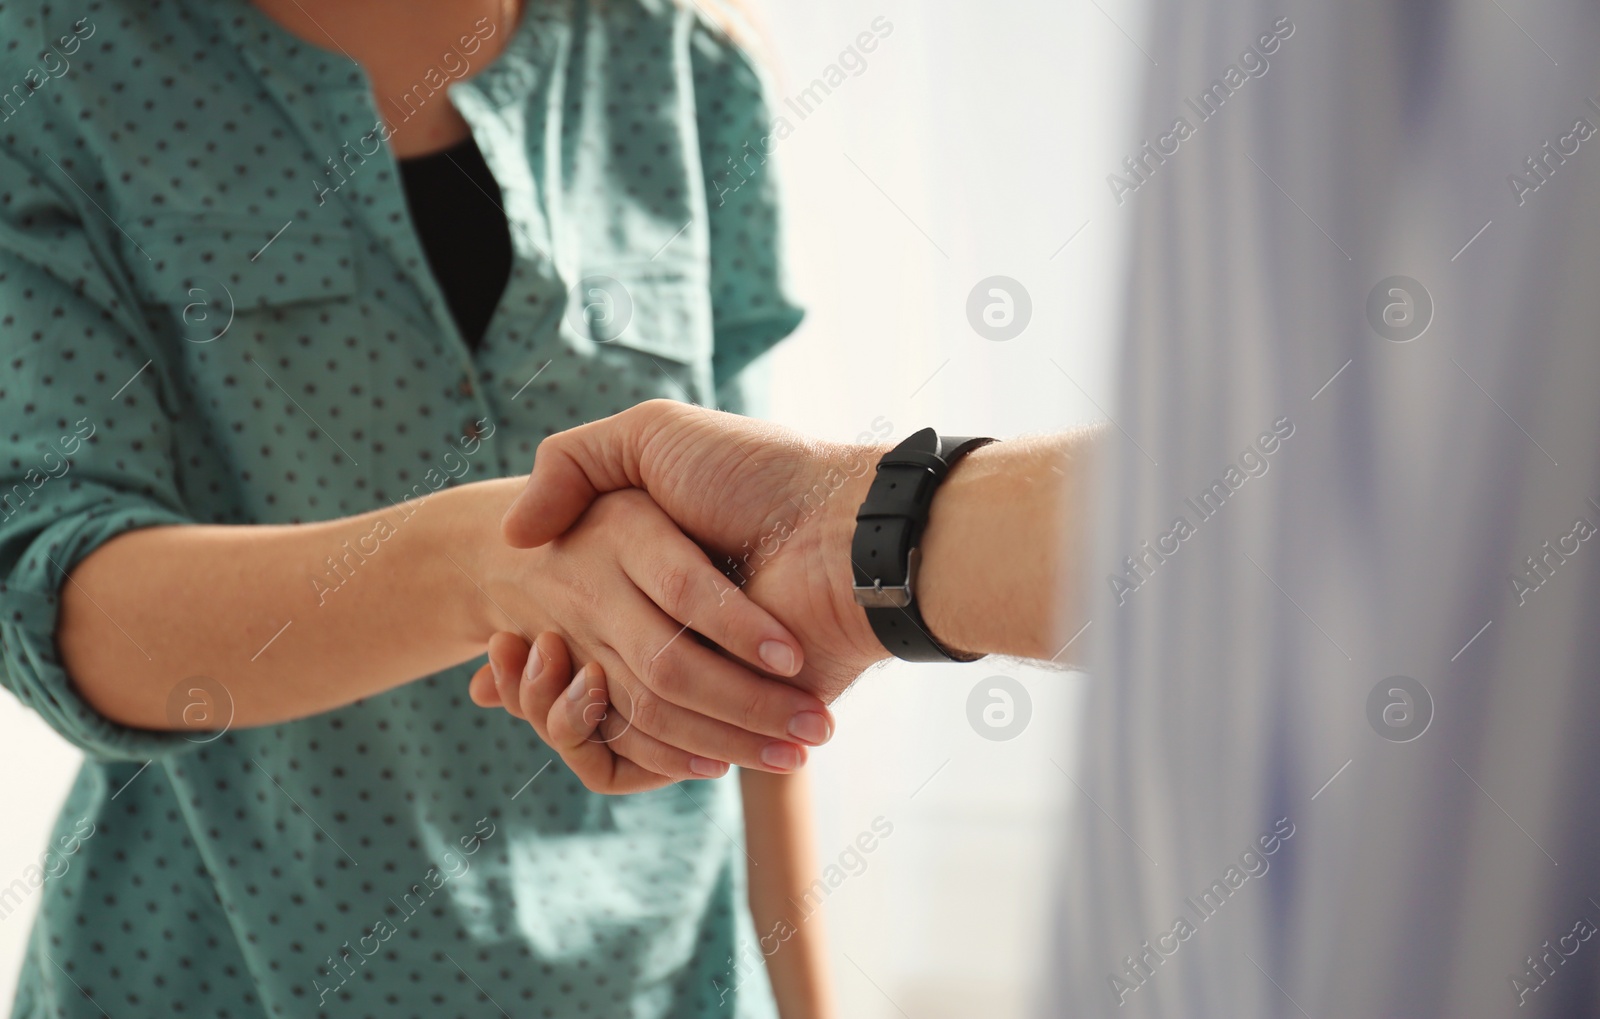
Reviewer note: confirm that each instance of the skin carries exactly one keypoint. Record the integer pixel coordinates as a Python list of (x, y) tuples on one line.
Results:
[(996, 555), (779, 839), (397, 44), (155, 606)]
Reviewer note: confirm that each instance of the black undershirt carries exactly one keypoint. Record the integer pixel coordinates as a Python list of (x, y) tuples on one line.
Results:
[(455, 205)]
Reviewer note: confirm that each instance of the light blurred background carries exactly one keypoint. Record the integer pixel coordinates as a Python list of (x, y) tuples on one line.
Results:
[(974, 143)]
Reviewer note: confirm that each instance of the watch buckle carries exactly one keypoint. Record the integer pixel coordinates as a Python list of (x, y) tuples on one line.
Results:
[(898, 596)]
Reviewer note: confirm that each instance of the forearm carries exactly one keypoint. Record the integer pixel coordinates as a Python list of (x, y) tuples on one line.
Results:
[(291, 620), (778, 839), (1002, 555)]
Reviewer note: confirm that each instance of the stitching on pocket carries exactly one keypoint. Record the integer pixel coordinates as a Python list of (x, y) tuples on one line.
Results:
[(663, 313)]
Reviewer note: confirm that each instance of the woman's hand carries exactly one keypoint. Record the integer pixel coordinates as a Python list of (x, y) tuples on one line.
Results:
[(536, 684), (623, 588)]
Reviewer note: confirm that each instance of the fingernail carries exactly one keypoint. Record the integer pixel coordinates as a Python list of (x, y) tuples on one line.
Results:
[(578, 683), (535, 667), (783, 756), (778, 656), (810, 727), (707, 768)]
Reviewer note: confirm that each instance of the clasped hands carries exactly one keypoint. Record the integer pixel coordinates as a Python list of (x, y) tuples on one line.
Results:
[(705, 564)]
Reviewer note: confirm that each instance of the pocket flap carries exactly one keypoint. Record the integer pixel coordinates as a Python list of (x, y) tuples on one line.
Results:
[(655, 311)]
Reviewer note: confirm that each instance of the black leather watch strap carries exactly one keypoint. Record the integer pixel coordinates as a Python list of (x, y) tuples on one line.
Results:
[(889, 529)]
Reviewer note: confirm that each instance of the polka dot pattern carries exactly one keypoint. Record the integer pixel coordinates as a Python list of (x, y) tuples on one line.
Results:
[(213, 308)]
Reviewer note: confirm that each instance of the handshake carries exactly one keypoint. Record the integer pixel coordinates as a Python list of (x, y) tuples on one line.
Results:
[(698, 565), (703, 563)]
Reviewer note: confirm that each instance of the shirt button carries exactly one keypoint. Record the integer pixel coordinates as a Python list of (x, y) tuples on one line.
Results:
[(465, 388), (470, 430)]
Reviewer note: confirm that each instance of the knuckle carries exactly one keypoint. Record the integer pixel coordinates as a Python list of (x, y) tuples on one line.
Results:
[(672, 586), (653, 416), (667, 769), (550, 446), (657, 407), (647, 754), (753, 713), (664, 673), (654, 759), (646, 712), (580, 588)]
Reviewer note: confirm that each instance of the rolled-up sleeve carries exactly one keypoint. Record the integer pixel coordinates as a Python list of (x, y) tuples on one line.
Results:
[(85, 442)]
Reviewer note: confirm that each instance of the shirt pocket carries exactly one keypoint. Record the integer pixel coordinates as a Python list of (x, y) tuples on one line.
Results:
[(197, 273), (266, 338), (649, 325)]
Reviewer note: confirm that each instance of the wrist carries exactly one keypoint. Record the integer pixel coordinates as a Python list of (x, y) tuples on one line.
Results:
[(957, 509), (861, 465), (993, 555), (471, 558), (889, 550)]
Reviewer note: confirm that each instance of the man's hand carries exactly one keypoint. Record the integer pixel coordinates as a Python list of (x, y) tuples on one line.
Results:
[(775, 511)]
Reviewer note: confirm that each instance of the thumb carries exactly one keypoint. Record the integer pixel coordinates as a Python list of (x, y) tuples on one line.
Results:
[(574, 468)]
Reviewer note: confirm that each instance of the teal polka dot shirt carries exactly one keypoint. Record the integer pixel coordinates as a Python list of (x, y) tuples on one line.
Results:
[(214, 309)]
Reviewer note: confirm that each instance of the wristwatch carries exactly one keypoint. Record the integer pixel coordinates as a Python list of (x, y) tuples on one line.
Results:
[(889, 527)]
